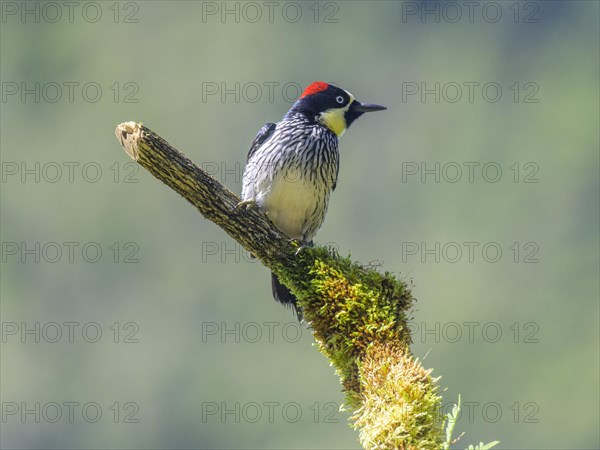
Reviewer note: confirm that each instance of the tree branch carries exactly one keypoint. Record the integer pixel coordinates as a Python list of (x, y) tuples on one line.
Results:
[(358, 315), (253, 230)]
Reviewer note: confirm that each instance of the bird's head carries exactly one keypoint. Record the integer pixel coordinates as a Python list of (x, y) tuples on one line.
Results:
[(331, 106)]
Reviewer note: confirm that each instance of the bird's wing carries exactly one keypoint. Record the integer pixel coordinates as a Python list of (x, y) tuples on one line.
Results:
[(264, 133), (337, 171)]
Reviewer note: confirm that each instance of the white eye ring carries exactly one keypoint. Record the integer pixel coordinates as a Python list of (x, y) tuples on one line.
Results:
[(339, 99)]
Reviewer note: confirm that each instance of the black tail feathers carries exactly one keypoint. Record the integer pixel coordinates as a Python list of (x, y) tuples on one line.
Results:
[(283, 295)]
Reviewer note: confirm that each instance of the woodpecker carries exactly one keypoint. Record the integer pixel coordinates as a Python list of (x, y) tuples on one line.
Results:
[(292, 166)]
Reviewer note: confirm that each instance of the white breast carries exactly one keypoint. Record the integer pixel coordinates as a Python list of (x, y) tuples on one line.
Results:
[(289, 201)]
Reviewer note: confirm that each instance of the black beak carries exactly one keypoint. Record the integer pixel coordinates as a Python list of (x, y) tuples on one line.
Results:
[(366, 107)]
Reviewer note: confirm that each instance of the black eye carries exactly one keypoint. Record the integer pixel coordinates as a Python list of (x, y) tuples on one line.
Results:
[(339, 99)]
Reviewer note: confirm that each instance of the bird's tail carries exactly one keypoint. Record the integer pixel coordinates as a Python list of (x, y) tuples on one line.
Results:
[(283, 295)]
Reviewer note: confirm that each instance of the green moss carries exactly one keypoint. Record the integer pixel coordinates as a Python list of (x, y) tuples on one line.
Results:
[(359, 319), (400, 402)]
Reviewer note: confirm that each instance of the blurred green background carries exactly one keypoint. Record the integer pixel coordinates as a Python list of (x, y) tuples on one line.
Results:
[(194, 353)]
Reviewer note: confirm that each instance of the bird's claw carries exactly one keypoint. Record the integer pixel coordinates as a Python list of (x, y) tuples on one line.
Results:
[(250, 203), (299, 243)]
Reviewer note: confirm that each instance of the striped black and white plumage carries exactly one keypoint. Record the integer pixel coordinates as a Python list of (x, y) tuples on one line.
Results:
[(292, 165), (290, 172)]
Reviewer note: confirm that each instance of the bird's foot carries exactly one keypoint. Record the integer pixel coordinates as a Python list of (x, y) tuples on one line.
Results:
[(246, 204), (299, 243)]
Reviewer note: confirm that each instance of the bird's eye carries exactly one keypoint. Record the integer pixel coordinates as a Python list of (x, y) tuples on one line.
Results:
[(339, 99)]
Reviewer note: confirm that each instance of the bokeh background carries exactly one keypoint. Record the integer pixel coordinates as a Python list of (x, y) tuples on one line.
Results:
[(193, 351)]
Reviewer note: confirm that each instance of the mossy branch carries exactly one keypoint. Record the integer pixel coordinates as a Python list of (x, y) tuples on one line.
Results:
[(358, 315)]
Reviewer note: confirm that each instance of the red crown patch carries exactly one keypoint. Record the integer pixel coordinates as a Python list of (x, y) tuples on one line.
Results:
[(315, 87)]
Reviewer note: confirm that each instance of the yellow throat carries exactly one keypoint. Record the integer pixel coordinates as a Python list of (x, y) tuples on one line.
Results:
[(335, 118)]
